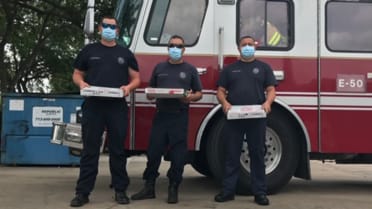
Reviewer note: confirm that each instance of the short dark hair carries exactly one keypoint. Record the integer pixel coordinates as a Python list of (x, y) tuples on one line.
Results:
[(109, 17), (176, 37), (244, 37)]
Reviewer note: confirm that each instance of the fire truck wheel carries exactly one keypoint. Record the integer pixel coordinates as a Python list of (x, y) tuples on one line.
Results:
[(281, 158)]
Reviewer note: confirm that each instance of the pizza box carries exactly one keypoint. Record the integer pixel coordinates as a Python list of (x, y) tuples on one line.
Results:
[(245, 112), (166, 92), (99, 91)]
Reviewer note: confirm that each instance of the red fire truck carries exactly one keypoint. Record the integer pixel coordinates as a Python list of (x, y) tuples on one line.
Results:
[(320, 51)]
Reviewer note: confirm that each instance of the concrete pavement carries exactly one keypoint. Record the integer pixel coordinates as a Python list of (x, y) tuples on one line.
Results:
[(34, 187)]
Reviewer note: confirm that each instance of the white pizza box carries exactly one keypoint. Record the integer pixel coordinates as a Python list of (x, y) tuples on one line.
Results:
[(245, 112), (99, 91), (166, 92)]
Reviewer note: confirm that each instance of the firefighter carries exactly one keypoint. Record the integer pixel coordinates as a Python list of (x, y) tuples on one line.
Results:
[(104, 64), (245, 82), (274, 37), (256, 26), (170, 124)]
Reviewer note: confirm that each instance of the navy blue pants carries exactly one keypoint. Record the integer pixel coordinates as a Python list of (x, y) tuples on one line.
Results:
[(168, 134), (233, 133), (99, 114)]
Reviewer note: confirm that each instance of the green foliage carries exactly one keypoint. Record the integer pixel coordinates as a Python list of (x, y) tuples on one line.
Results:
[(39, 41)]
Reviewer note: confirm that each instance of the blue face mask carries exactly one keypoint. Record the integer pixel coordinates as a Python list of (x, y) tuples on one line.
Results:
[(175, 53), (108, 34), (248, 51)]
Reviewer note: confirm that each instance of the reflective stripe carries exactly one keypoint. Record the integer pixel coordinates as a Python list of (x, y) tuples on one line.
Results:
[(275, 39)]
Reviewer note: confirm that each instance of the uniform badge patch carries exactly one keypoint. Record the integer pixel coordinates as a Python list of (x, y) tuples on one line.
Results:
[(121, 60), (255, 70), (182, 75)]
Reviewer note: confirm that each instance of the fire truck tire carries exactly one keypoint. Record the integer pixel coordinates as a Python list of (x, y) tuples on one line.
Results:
[(215, 152), (281, 159), (200, 164)]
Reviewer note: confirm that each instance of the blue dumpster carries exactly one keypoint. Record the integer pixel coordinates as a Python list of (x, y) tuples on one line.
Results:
[(26, 129)]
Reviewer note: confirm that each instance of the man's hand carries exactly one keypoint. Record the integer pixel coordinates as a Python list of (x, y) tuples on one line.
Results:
[(226, 106), (266, 107), (188, 98), (192, 96), (83, 84), (126, 90)]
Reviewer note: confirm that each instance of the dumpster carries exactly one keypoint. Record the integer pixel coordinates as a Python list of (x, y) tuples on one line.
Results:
[(27, 122)]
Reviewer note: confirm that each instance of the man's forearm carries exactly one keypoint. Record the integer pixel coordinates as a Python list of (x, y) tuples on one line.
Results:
[(134, 83), (221, 97), (270, 95), (196, 96), (77, 78)]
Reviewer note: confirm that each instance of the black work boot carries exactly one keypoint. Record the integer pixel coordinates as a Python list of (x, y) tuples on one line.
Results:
[(79, 200), (121, 198), (147, 192), (173, 193)]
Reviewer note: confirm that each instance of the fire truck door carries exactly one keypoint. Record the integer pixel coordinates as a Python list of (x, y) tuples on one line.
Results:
[(345, 77)]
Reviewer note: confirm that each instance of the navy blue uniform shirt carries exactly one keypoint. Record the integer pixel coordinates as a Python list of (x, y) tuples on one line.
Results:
[(166, 75), (106, 66), (246, 82)]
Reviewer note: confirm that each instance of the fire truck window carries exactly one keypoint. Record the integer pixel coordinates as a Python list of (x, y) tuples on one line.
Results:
[(267, 21), (349, 26), (277, 24), (127, 13), (179, 17)]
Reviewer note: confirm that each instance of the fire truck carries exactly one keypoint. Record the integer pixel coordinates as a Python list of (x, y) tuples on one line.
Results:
[(320, 52)]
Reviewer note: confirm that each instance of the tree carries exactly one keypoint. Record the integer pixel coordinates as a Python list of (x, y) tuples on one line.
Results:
[(39, 40)]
